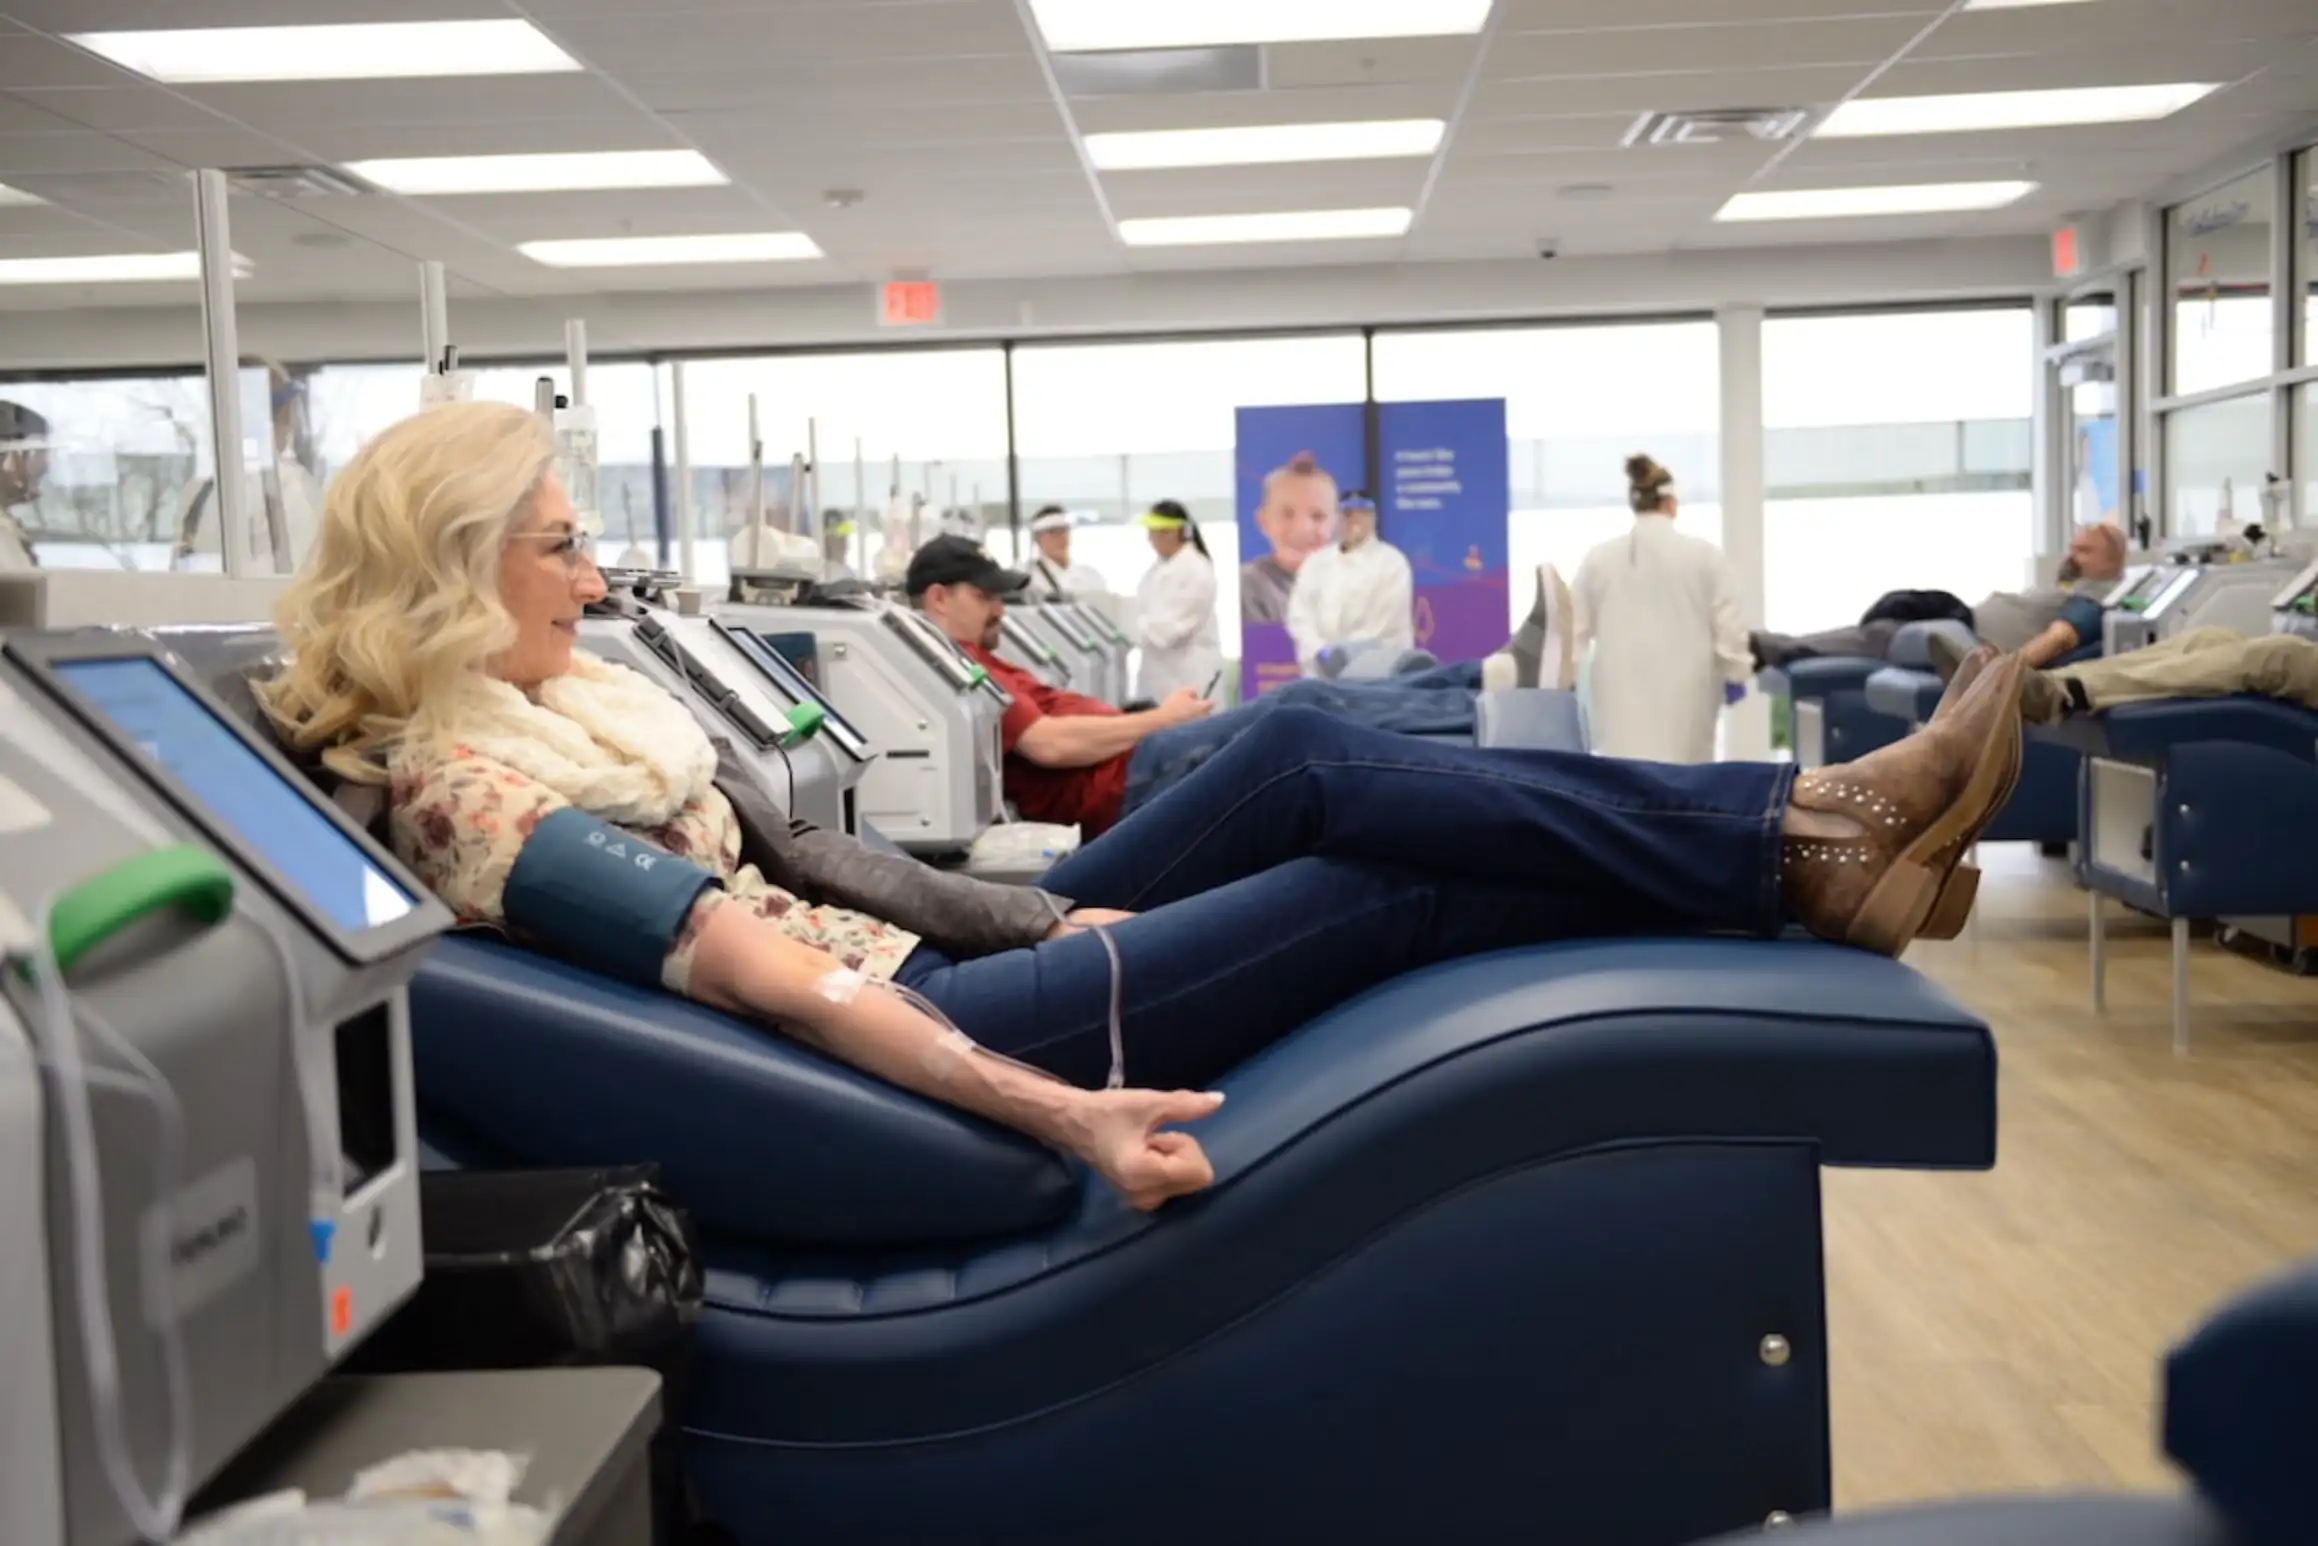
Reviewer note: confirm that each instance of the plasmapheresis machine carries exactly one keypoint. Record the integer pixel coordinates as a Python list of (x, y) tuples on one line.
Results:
[(208, 1162)]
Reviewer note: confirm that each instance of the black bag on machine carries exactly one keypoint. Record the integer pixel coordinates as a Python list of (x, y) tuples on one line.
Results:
[(531, 1269)]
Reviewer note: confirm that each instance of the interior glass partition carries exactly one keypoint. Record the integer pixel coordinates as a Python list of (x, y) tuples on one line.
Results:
[(2218, 284), (1899, 450), (1107, 429), (930, 425), (2306, 252), (1579, 400), (2217, 458)]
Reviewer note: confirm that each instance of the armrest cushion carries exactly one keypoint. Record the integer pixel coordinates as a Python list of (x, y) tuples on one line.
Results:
[(2241, 1409), (1912, 645), (760, 1137), (1533, 718), (2147, 731)]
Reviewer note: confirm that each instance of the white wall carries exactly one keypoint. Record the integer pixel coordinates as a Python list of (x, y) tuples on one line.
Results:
[(1143, 303)]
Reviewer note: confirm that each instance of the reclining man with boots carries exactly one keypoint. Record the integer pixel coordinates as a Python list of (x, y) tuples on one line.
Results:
[(2202, 663), (2040, 625)]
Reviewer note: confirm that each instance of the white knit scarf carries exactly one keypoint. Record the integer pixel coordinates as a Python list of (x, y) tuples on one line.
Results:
[(607, 739)]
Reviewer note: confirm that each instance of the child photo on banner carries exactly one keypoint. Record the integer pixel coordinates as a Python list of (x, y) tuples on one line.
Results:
[(1290, 464)]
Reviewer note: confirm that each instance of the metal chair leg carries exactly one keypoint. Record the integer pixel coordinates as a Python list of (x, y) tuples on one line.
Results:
[(2180, 987), (2100, 949)]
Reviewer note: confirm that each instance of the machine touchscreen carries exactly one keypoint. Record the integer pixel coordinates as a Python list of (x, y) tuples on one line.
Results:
[(211, 771)]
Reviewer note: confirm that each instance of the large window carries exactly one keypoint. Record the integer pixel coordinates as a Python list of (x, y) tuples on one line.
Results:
[(2217, 270), (1898, 449), (102, 485), (2306, 180), (2217, 458), (1578, 402), (926, 427), (1106, 429)]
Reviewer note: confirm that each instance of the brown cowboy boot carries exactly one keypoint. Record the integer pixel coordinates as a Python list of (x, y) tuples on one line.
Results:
[(1905, 815)]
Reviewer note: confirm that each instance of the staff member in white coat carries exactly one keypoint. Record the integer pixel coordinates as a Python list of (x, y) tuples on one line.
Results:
[(1661, 611), (1357, 590), (1052, 574), (1175, 608)]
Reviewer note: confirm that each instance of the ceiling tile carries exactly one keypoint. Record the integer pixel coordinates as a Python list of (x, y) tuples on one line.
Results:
[(2205, 61), (1223, 109), (1257, 189), (782, 34), (1517, 16), (687, 84), (124, 110), (445, 102), (1864, 41), (1401, 61), (37, 61), (2122, 24), (67, 154), (1669, 91)]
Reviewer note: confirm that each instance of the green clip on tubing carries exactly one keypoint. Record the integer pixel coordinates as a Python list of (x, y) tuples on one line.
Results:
[(977, 677), (101, 906), (805, 721)]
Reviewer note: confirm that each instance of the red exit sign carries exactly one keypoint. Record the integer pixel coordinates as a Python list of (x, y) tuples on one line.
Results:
[(911, 303)]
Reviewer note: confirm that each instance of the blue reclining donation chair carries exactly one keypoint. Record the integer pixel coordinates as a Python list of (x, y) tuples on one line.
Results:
[(2195, 808), (1525, 1246), (2241, 1418)]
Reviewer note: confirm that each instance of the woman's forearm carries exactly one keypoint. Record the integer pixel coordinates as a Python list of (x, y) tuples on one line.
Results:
[(742, 964)]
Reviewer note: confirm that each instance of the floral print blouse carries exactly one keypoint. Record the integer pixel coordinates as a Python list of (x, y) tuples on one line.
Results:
[(460, 822)]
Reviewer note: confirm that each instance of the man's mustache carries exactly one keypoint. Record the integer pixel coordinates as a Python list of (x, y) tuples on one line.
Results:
[(2070, 569)]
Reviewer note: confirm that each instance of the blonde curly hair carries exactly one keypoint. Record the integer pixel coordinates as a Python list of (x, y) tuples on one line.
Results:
[(398, 607)]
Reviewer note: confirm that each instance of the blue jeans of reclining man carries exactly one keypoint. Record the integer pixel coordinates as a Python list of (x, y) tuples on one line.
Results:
[(1313, 858), (1438, 701)]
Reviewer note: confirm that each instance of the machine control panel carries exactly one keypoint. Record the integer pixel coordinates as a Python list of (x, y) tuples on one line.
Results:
[(720, 694), (2140, 586), (2295, 609), (1032, 648), (793, 684)]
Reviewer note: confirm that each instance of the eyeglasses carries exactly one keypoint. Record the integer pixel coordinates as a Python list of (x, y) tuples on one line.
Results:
[(575, 548)]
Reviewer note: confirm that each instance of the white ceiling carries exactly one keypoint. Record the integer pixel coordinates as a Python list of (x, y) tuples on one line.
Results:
[(942, 112)]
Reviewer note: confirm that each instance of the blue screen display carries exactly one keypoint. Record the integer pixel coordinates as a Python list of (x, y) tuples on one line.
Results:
[(240, 790)]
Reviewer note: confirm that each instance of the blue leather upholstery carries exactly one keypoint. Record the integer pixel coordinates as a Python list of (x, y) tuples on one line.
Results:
[(762, 1139), (2241, 1409), (2228, 769), (1535, 718), (1475, 1238), (2057, 1521), (1907, 693), (1912, 645)]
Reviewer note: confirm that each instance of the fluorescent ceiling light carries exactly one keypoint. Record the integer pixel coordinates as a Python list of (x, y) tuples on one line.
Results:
[(10, 195), (108, 268), (1259, 145), (1977, 110), (367, 51), (1897, 199), (655, 251), (563, 172), (1310, 225), (1088, 26)]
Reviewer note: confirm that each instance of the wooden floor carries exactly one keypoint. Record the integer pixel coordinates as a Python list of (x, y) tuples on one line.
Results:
[(2002, 1331)]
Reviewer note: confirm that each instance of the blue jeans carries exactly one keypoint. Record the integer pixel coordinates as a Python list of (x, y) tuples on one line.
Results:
[(1313, 858), (1434, 702)]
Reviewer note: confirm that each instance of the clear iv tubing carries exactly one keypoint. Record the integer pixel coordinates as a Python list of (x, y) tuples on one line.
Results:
[(155, 1517), (843, 986)]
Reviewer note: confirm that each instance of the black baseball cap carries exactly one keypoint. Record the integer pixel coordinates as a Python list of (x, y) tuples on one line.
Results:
[(960, 561)]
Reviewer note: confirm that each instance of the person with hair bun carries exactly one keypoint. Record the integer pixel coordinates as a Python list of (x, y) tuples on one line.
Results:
[(1661, 610)]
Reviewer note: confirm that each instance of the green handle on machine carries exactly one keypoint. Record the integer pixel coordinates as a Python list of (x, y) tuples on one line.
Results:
[(976, 677), (101, 906), (805, 720)]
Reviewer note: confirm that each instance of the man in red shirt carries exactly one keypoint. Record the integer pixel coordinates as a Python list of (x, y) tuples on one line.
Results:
[(1066, 754)]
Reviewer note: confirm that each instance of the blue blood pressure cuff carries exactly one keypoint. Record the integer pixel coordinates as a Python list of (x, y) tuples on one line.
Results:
[(595, 894), (2083, 613)]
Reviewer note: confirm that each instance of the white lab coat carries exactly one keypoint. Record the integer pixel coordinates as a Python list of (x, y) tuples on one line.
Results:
[(1065, 582), (1661, 611), (1175, 625), (1364, 595)]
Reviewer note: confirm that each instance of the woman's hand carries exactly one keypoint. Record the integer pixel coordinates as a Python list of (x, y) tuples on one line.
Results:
[(1116, 1133), (1086, 918)]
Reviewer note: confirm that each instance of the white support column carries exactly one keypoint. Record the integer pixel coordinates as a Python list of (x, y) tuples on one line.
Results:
[(434, 315), (214, 228), (682, 503), (2052, 468), (575, 352), (1741, 327)]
